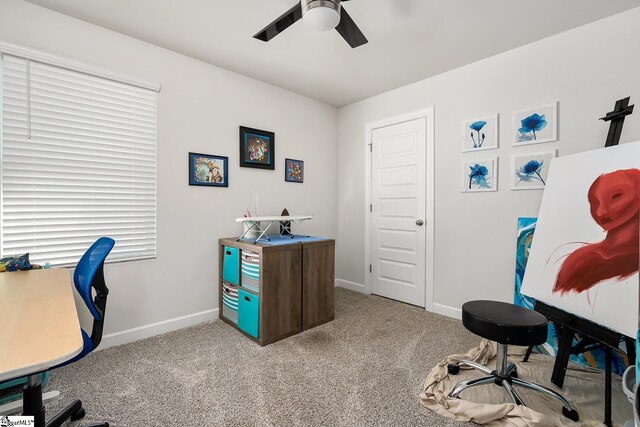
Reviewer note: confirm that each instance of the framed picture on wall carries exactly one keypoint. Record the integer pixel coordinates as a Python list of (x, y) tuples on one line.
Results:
[(257, 148), (479, 175), (536, 125), (480, 134), (293, 170), (208, 170), (529, 171)]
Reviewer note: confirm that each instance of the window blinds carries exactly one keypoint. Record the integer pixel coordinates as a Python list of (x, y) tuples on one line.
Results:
[(78, 161)]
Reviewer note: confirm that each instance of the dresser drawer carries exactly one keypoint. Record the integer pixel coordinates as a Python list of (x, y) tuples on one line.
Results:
[(250, 268), (230, 265)]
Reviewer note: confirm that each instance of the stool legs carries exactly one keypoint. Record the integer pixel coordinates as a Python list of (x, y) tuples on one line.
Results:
[(515, 397), (506, 376), (463, 385), (542, 389), (471, 364)]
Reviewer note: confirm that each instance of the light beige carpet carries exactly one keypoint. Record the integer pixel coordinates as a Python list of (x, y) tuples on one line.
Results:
[(366, 368)]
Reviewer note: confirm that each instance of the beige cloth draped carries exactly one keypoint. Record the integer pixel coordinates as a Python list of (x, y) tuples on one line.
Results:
[(489, 404)]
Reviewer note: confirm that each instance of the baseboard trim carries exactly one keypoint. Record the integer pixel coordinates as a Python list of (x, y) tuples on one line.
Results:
[(353, 286), (146, 331), (448, 311)]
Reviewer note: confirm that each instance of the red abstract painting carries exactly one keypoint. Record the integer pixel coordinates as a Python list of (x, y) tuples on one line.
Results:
[(614, 200)]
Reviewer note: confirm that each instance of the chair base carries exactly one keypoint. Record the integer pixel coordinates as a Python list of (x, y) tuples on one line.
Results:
[(32, 404), (15, 406), (506, 376), (72, 412)]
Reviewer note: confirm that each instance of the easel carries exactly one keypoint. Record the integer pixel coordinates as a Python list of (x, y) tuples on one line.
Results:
[(621, 110), (568, 325)]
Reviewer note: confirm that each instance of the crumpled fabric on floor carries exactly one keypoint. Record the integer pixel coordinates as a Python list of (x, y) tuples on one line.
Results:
[(489, 404)]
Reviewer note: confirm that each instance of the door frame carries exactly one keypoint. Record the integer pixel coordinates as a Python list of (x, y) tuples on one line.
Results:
[(428, 115)]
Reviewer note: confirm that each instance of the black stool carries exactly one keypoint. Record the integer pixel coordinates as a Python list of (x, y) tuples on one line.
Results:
[(506, 324)]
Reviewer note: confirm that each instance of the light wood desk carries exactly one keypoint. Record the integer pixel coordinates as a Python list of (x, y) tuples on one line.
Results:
[(39, 325)]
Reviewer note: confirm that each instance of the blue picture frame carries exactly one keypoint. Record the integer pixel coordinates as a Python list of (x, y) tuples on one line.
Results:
[(294, 170), (208, 170)]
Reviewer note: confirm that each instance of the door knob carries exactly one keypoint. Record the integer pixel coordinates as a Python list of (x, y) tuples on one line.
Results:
[(419, 222)]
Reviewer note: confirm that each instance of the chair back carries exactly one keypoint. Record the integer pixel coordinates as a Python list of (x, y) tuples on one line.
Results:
[(89, 276)]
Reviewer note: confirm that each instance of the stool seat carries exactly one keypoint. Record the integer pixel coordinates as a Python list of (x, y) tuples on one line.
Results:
[(504, 323)]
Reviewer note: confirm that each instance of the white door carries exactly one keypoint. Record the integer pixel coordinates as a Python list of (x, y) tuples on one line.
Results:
[(398, 210)]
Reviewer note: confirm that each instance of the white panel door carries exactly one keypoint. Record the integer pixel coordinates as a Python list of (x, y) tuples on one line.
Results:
[(398, 210)]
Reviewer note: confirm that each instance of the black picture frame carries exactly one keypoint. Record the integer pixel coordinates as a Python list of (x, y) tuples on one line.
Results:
[(198, 176), (257, 148), (291, 174)]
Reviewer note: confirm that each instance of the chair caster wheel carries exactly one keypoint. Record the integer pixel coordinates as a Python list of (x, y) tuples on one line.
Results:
[(571, 414), (453, 369), (78, 414)]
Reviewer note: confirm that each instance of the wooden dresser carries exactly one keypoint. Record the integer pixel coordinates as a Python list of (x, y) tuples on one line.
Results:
[(270, 292)]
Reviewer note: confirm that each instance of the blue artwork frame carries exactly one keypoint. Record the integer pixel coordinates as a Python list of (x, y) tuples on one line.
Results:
[(208, 170), (257, 148), (294, 170)]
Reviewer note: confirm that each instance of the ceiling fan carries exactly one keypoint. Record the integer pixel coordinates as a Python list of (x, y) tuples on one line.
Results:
[(321, 15)]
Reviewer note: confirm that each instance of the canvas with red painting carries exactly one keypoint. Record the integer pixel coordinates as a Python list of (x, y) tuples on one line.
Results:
[(584, 256)]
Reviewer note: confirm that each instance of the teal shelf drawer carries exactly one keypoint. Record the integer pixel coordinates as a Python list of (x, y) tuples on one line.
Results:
[(231, 265), (248, 312)]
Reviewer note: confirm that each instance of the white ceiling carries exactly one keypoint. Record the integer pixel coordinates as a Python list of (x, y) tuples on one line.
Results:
[(409, 40)]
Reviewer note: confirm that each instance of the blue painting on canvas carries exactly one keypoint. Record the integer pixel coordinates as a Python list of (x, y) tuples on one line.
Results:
[(526, 227)]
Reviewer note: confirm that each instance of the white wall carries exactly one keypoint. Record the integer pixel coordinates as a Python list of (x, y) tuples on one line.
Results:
[(201, 106), (585, 69), (199, 109)]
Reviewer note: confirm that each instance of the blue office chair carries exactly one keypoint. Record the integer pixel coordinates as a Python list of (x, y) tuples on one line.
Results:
[(88, 278)]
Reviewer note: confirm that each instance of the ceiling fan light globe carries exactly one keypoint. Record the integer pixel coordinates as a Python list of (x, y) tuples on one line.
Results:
[(322, 17)]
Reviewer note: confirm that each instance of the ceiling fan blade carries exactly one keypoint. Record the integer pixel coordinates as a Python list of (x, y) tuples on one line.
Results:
[(350, 31), (279, 25)]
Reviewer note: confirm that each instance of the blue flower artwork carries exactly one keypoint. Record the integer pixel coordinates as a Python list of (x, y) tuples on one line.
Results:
[(479, 176), (530, 125), (477, 126), (535, 125), (530, 170), (480, 134)]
